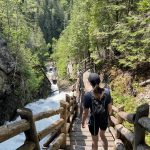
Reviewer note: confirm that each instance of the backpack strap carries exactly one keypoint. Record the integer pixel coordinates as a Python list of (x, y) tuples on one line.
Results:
[(105, 99), (93, 99)]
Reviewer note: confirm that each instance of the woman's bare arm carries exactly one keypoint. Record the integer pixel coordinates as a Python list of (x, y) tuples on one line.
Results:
[(84, 116), (110, 108)]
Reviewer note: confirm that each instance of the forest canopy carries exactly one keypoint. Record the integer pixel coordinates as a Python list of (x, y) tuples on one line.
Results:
[(113, 31), (29, 27)]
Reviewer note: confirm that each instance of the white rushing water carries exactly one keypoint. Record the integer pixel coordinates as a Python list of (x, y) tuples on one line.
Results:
[(39, 106)]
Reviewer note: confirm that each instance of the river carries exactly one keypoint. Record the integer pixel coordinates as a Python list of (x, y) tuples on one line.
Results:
[(40, 105)]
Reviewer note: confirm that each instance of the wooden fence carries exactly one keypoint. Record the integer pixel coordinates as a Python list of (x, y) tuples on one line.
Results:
[(140, 121), (58, 129), (141, 124), (87, 64)]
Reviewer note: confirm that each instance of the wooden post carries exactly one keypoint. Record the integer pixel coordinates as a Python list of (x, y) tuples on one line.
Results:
[(63, 115), (76, 107), (31, 134), (119, 120), (68, 101), (139, 131)]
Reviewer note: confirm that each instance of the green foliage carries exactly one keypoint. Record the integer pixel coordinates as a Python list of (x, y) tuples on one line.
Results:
[(123, 99), (51, 19), (107, 31), (130, 106), (73, 41), (29, 28), (19, 26), (132, 40), (144, 6), (147, 138)]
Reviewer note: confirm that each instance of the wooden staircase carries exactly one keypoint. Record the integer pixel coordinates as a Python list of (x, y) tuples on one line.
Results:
[(80, 138)]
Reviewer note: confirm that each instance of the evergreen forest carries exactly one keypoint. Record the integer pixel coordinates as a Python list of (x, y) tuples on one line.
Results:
[(113, 33), (110, 32)]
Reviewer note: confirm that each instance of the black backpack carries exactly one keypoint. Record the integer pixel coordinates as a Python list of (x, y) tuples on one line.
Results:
[(98, 106)]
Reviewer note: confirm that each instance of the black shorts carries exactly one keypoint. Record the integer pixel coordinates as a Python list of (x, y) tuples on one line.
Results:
[(94, 129)]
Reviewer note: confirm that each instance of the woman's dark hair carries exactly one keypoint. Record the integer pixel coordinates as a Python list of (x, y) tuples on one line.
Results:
[(94, 79), (97, 90)]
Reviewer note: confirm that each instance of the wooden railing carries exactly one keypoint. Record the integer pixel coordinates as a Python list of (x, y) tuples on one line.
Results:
[(87, 64), (139, 120), (58, 129), (141, 124)]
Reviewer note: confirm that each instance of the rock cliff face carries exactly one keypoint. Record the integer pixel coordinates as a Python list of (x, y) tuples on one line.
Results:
[(12, 88), (7, 65)]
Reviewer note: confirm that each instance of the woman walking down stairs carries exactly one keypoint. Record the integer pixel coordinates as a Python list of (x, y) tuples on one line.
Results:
[(80, 138)]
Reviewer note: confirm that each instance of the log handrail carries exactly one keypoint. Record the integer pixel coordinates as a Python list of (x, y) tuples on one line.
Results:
[(139, 120), (126, 116), (47, 114), (13, 129), (27, 125), (145, 123), (141, 124), (54, 126)]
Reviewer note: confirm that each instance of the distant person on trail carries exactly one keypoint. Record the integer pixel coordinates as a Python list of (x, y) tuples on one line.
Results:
[(99, 102)]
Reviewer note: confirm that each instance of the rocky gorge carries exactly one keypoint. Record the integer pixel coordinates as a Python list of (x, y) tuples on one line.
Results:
[(13, 92), (7, 65)]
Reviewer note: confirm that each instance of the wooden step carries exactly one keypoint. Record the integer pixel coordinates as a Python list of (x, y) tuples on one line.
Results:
[(85, 134), (81, 129), (88, 143), (77, 128), (80, 139), (86, 138), (77, 147)]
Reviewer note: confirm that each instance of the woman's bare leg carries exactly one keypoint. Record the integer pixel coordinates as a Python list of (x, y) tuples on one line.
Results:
[(104, 140), (95, 142)]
